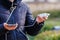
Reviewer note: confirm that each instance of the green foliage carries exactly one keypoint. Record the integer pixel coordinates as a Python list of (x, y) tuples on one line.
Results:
[(49, 24), (47, 27), (48, 35)]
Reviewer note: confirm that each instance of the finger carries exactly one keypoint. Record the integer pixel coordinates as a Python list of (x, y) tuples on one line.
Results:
[(5, 24), (45, 18), (40, 19), (16, 24), (13, 28)]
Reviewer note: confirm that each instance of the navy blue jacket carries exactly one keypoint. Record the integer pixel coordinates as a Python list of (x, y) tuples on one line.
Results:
[(23, 17)]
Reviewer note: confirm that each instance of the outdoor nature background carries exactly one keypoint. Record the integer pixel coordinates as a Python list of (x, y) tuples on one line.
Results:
[(48, 32)]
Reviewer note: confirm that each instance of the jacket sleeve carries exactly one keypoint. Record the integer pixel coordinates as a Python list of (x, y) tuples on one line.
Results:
[(33, 30)]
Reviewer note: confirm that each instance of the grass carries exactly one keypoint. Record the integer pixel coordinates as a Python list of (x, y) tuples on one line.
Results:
[(48, 35), (49, 24), (54, 21)]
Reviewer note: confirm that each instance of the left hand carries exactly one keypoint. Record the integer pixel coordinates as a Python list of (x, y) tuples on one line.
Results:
[(12, 27), (40, 19)]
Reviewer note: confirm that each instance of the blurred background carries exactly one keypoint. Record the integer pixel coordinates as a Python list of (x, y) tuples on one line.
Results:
[(51, 29)]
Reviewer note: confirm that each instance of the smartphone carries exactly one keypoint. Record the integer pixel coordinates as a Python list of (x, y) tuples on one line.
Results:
[(44, 15), (12, 24)]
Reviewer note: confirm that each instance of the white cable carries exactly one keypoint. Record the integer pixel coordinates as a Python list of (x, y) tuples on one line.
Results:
[(20, 29), (13, 8), (11, 14)]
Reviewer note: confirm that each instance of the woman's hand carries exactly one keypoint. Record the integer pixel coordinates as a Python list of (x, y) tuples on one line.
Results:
[(13, 27), (40, 19)]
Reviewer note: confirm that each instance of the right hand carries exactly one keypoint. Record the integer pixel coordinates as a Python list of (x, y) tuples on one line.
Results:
[(13, 27), (40, 19)]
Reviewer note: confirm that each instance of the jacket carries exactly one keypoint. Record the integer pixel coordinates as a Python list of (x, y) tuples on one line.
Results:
[(21, 15)]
